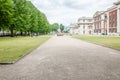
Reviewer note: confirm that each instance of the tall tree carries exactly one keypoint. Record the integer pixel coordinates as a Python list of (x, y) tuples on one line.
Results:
[(61, 27), (21, 16), (54, 27), (6, 13)]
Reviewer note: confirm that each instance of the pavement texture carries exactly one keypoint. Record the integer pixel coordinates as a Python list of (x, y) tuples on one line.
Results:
[(65, 58)]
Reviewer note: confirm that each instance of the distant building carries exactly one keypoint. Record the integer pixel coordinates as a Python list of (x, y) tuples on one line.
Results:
[(100, 22), (73, 28), (103, 23), (108, 22), (85, 25)]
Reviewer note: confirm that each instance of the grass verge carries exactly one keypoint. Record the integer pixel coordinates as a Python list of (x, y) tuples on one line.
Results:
[(12, 49), (109, 41)]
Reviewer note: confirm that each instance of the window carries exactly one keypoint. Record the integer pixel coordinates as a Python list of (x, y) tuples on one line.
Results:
[(83, 20), (89, 20), (84, 27), (79, 20), (105, 16)]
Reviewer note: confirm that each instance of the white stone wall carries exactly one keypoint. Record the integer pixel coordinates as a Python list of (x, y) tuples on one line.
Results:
[(118, 19), (84, 29)]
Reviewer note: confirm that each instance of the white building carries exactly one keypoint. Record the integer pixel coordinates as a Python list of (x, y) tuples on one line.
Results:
[(103, 23), (85, 26), (73, 28)]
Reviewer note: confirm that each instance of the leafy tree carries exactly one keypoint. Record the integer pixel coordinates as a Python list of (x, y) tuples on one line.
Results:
[(21, 16), (6, 13), (54, 27), (61, 27)]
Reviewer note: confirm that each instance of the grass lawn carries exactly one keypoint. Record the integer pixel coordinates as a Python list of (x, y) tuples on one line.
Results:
[(109, 41), (12, 49)]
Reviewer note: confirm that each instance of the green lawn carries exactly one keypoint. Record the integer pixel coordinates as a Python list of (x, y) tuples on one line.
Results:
[(12, 49), (109, 41)]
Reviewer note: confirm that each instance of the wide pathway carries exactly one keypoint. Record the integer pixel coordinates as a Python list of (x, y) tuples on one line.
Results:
[(65, 58)]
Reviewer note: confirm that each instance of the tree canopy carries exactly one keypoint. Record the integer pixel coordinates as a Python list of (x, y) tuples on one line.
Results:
[(22, 17), (6, 13), (54, 27), (61, 27)]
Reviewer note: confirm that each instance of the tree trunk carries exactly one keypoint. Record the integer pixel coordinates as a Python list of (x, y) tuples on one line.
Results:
[(25, 33), (21, 33), (12, 33), (3, 34)]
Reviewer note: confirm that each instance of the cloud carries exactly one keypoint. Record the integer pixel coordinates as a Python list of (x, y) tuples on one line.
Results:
[(68, 11)]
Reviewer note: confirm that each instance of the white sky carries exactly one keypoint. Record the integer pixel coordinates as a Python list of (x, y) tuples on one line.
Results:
[(68, 11)]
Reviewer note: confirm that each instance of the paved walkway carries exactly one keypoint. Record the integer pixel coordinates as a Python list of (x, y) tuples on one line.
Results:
[(65, 58)]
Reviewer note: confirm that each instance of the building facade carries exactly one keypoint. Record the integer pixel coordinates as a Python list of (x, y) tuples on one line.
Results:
[(118, 16), (73, 28), (103, 22), (112, 20), (85, 25), (100, 23), (108, 22)]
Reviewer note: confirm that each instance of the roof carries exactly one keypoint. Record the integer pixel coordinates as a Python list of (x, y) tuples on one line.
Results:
[(85, 18), (117, 3), (112, 8), (98, 13), (73, 25)]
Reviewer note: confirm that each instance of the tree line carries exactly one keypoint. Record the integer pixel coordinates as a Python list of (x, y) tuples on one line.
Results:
[(56, 26), (21, 17)]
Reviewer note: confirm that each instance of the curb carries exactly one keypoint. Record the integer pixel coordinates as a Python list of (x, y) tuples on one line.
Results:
[(13, 62), (8, 63), (98, 44)]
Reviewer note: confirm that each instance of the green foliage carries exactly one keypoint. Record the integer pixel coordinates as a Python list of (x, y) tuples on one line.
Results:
[(54, 27), (61, 27), (21, 16), (6, 13)]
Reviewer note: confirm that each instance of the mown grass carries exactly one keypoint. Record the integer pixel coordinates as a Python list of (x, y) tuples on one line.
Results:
[(12, 49), (109, 41)]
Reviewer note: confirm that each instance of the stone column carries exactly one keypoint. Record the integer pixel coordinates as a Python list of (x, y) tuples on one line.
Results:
[(118, 20), (108, 22)]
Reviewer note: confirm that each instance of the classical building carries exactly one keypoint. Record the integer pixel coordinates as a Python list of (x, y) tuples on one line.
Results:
[(100, 23), (108, 22), (112, 20), (103, 22), (85, 25), (118, 16), (73, 28)]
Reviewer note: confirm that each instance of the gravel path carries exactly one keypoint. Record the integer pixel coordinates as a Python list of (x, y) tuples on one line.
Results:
[(65, 58)]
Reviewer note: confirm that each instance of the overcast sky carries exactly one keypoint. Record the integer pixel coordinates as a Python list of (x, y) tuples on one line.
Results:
[(68, 11)]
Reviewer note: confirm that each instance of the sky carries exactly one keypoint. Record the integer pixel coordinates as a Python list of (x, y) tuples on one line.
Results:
[(68, 11)]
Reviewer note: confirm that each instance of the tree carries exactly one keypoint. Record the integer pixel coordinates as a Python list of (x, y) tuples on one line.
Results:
[(6, 13), (61, 27), (22, 17), (54, 27)]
